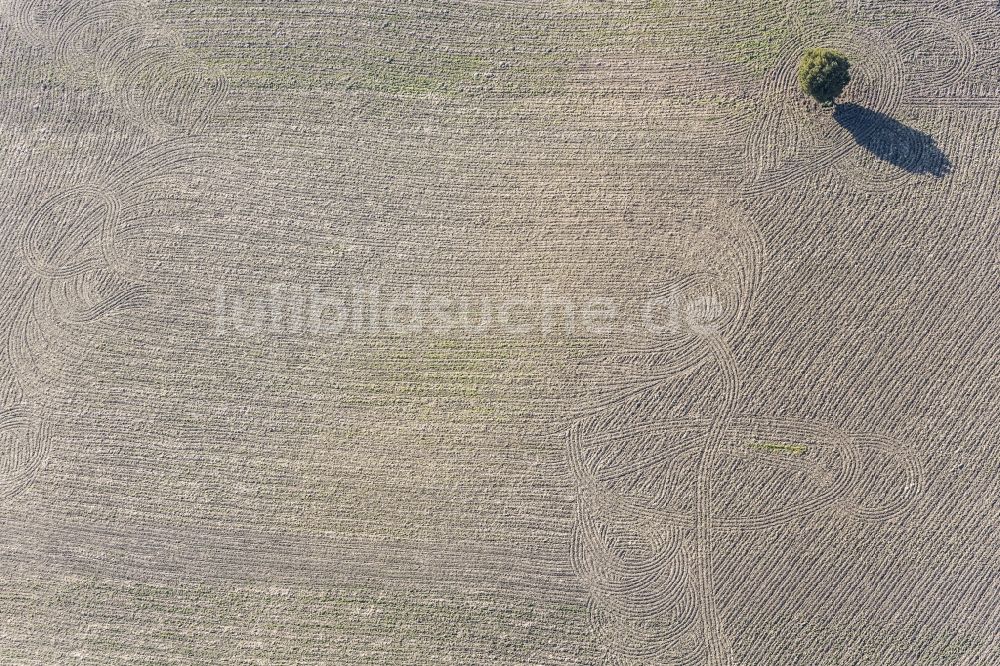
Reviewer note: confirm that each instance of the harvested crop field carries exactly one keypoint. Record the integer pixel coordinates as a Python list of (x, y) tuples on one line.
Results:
[(503, 333)]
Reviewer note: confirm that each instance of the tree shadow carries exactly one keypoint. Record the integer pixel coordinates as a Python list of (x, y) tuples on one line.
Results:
[(891, 141)]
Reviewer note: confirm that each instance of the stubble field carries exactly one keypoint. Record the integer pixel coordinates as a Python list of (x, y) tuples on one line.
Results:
[(500, 333)]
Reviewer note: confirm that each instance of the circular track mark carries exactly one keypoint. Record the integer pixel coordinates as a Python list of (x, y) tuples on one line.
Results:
[(65, 235), (25, 444)]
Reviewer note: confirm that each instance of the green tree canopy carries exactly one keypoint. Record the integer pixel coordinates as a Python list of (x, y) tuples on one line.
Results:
[(823, 73)]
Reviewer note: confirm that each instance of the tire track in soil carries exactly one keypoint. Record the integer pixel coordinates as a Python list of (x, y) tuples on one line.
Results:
[(626, 569), (69, 243)]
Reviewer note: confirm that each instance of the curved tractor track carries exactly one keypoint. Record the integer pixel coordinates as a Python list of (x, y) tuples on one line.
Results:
[(73, 269), (499, 333)]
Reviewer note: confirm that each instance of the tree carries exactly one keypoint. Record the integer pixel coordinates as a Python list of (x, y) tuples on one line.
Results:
[(823, 73)]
